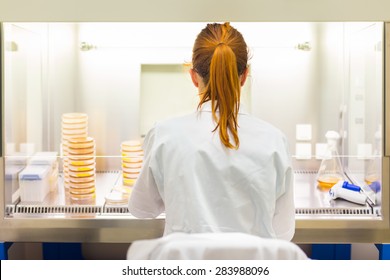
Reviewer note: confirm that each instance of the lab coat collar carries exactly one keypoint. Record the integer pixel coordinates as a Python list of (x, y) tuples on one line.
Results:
[(206, 107)]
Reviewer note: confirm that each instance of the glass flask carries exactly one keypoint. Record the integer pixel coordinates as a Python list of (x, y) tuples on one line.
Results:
[(330, 171), (373, 166)]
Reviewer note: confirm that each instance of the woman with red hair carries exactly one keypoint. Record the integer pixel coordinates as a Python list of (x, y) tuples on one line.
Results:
[(218, 169)]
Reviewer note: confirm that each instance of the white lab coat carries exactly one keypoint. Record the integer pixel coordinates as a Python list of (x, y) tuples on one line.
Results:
[(204, 187)]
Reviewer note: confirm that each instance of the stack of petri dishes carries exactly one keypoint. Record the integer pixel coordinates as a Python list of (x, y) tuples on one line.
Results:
[(74, 125), (132, 158), (81, 167), (78, 153)]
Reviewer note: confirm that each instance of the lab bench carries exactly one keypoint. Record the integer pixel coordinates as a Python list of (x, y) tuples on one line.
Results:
[(57, 219)]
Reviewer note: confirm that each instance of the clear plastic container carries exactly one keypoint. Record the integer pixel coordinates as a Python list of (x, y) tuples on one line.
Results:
[(34, 183), (12, 183), (49, 159), (17, 158)]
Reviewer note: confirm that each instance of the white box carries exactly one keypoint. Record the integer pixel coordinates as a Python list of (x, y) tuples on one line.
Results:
[(34, 183), (16, 159), (303, 132), (49, 159), (44, 158), (321, 149), (12, 190), (303, 150)]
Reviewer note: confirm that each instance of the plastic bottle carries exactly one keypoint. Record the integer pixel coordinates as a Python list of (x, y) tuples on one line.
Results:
[(331, 170)]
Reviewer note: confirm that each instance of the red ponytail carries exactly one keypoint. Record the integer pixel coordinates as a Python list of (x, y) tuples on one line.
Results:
[(220, 56)]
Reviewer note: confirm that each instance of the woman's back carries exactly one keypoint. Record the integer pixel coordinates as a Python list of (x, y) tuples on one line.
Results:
[(206, 187)]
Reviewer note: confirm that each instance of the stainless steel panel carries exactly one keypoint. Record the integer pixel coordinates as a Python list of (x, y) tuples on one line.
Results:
[(311, 202), (1, 89), (105, 223), (140, 11), (387, 89), (60, 204)]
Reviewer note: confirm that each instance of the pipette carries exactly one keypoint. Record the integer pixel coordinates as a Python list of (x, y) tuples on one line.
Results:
[(343, 189)]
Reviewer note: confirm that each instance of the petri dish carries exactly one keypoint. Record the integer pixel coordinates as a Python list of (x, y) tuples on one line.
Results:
[(81, 168), (72, 132), (81, 157), (131, 170), (138, 159), (83, 151), (132, 158), (128, 182), (81, 142), (83, 198), (82, 162), (81, 125), (80, 191), (131, 166), (117, 197), (70, 118), (66, 137), (131, 146), (81, 174), (133, 176), (81, 179)]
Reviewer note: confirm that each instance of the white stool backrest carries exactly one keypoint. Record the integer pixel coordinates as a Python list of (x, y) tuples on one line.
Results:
[(214, 246)]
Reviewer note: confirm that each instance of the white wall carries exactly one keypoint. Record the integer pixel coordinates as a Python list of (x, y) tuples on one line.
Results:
[(166, 91), (23, 78), (40, 73), (61, 71), (283, 77), (110, 78)]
